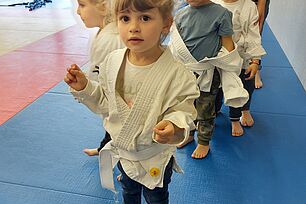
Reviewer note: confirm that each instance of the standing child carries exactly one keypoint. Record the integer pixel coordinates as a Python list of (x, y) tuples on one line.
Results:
[(146, 97), (97, 13), (263, 10), (248, 39), (202, 39)]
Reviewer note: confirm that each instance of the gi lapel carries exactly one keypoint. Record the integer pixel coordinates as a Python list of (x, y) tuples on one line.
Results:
[(147, 94)]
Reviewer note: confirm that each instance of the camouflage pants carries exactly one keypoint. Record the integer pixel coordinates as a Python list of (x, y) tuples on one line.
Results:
[(205, 106)]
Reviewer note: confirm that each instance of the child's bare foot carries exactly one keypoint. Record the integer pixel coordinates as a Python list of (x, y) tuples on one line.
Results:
[(237, 130), (182, 144), (247, 119), (91, 152), (200, 152), (258, 82)]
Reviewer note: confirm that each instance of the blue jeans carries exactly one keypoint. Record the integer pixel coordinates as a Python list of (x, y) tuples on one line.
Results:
[(132, 189)]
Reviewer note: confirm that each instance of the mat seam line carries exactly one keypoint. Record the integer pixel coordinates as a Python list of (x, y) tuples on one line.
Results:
[(49, 189)]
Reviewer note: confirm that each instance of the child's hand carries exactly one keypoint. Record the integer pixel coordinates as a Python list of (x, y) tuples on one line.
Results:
[(168, 133), (75, 78), (252, 70)]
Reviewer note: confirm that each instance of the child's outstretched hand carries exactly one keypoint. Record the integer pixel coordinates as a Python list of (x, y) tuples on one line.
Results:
[(75, 78), (167, 133), (252, 70)]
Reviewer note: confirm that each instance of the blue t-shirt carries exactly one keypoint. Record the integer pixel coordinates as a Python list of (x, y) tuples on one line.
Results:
[(201, 28)]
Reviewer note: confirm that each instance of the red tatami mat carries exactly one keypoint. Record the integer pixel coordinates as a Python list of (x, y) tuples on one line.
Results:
[(29, 72)]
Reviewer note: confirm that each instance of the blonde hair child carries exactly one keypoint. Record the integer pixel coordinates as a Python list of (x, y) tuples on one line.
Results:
[(99, 14), (146, 97)]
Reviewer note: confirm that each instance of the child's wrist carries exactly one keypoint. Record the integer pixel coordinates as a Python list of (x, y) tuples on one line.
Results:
[(255, 61), (84, 85), (179, 133)]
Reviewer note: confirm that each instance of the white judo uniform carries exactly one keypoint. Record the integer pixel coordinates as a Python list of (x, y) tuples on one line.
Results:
[(168, 93), (246, 30)]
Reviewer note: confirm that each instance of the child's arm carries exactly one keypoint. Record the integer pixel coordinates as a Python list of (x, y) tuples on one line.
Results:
[(75, 78), (261, 6), (228, 43), (168, 133), (253, 46), (88, 92)]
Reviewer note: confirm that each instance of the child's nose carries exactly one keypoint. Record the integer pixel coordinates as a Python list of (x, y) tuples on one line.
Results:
[(78, 11), (134, 28)]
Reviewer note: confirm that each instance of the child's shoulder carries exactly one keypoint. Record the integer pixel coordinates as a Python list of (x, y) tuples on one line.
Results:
[(217, 11), (214, 10), (251, 5), (218, 8), (210, 7), (109, 31), (249, 9), (250, 2), (183, 11)]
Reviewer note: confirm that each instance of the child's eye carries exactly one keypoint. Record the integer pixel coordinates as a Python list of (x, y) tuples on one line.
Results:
[(124, 18), (145, 18)]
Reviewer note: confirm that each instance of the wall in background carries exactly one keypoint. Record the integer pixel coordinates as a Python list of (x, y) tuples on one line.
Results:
[(287, 21)]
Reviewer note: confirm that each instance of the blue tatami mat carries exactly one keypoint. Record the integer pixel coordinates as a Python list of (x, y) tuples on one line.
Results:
[(267, 165), (275, 55), (14, 194), (282, 93), (41, 149), (41, 158), (61, 88)]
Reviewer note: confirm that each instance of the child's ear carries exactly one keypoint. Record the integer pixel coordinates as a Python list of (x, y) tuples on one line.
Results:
[(168, 24), (102, 9)]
